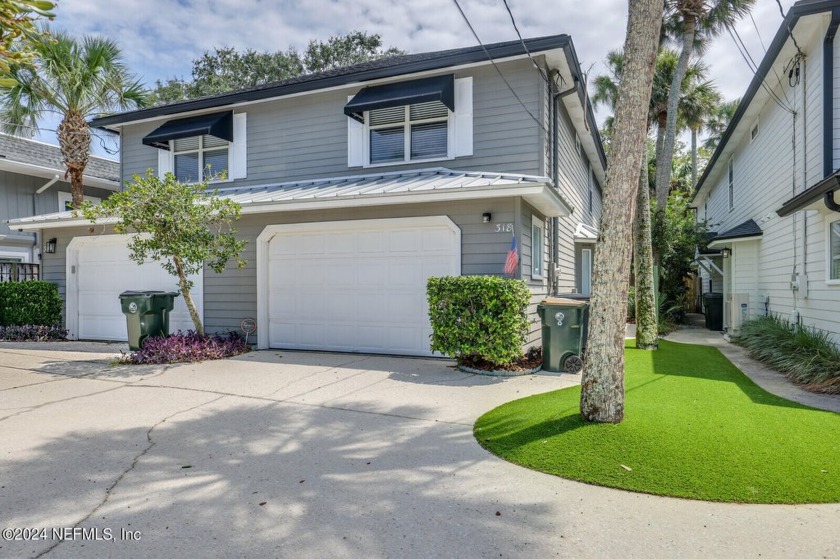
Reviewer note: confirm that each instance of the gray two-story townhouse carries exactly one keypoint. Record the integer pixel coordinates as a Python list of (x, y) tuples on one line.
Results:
[(768, 193), (357, 185), (32, 182)]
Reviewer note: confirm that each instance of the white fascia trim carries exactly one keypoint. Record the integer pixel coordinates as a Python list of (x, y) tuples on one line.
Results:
[(540, 196), (271, 231), (381, 81), (724, 242), (48, 173), (58, 223)]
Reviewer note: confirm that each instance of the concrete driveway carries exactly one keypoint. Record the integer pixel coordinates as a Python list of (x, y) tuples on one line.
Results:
[(287, 454)]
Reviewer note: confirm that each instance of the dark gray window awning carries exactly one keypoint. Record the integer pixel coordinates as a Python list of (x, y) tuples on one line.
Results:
[(439, 88), (219, 125)]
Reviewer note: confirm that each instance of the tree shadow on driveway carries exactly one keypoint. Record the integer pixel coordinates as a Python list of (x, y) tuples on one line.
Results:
[(237, 477)]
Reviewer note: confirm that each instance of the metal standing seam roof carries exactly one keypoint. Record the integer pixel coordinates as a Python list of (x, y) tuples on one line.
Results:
[(31, 152), (398, 182), (378, 185)]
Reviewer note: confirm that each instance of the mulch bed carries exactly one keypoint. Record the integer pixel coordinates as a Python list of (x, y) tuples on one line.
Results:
[(530, 361)]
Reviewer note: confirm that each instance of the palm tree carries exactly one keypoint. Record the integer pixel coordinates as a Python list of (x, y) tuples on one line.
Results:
[(77, 80), (691, 23), (718, 121), (699, 102)]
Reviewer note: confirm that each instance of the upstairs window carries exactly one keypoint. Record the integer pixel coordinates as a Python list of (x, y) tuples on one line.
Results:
[(199, 158), (408, 133)]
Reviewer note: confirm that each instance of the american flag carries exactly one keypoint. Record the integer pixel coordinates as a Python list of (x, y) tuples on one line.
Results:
[(512, 259)]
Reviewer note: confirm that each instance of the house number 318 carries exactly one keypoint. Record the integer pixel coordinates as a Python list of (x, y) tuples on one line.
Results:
[(504, 228)]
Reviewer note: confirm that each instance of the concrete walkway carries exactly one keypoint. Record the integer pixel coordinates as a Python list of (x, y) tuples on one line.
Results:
[(290, 454)]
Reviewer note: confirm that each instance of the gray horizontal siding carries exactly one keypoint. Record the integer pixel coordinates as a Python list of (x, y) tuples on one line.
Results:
[(306, 137)]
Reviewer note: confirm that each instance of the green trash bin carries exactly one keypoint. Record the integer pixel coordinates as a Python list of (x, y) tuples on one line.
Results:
[(713, 307), (146, 314), (565, 325)]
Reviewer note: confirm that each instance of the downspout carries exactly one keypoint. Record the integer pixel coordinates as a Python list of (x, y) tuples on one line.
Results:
[(828, 93), (555, 175)]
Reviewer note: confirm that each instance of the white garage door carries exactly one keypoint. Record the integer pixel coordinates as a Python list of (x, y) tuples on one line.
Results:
[(357, 286), (98, 270)]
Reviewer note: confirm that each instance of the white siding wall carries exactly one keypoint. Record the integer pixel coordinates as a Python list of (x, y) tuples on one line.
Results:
[(768, 172)]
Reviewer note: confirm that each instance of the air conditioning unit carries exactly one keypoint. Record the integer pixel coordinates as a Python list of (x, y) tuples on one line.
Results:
[(737, 309)]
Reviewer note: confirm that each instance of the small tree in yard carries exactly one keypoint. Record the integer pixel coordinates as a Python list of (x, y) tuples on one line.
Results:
[(181, 225)]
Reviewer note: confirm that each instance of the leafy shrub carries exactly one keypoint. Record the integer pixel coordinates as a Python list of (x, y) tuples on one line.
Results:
[(478, 316), (187, 347), (806, 355), (30, 333), (30, 302)]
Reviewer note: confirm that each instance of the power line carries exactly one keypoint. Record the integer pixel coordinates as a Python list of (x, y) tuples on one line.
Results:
[(751, 66), (524, 46), (493, 62), (790, 33), (754, 66)]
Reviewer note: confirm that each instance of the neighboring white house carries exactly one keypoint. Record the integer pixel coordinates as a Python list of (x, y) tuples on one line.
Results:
[(767, 192)]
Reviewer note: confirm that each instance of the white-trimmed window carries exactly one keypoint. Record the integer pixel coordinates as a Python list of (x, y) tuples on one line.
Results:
[(427, 131), (833, 253), (730, 174), (65, 201), (408, 133), (200, 157), (586, 271), (591, 189), (537, 248)]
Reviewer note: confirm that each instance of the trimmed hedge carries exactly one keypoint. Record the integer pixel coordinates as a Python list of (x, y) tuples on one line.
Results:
[(478, 316), (30, 303)]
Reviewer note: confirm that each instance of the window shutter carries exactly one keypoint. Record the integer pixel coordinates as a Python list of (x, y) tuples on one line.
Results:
[(164, 162), (463, 120), (239, 147), (355, 142)]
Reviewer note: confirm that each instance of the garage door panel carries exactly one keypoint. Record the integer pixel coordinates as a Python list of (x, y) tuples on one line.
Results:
[(103, 270), (359, 288)]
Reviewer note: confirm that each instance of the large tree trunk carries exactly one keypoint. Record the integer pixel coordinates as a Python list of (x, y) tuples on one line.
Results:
[(602, 384), (184, 283), (74, 141), (663, 162), (647, 327)]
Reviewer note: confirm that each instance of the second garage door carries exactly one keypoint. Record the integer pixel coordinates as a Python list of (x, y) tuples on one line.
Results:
[(357, 286), (98, 270)]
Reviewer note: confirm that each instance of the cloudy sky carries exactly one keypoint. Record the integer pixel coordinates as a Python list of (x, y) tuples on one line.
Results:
[(160, 38)]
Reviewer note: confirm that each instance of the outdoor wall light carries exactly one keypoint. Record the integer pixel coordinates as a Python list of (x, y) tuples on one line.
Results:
[(486, 216), (726, 253), (49, 246)]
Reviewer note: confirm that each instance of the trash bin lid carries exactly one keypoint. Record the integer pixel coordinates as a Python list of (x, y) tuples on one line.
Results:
[(140, 293), (565, 302)]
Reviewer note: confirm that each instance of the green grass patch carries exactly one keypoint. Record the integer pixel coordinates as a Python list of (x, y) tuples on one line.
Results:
[(694, 427)]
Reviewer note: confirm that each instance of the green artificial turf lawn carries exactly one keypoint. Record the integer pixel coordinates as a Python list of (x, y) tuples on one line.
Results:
[(694, 427)]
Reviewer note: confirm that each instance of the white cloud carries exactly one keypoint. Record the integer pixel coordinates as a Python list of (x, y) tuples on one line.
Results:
[(159, 38)]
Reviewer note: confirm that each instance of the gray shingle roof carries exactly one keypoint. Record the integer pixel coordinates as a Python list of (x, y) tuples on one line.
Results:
[(747, 229), (23, 150)]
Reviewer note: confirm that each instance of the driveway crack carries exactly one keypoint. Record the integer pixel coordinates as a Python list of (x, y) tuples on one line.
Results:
[(109, 490)]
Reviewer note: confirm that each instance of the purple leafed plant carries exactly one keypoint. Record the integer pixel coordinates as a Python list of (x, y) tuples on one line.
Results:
[(32, 333), (187, 347)]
